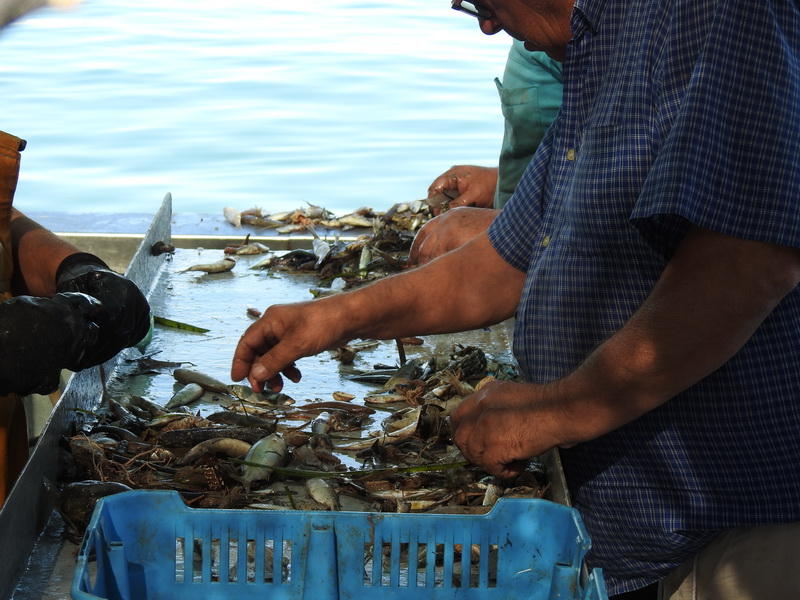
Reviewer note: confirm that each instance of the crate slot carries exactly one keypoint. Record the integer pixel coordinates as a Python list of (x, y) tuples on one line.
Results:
[(197, 560)]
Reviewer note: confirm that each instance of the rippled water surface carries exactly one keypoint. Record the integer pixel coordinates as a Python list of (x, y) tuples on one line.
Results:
[(246, 103)]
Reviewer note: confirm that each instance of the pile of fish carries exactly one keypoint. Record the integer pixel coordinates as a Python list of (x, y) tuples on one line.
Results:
[(339, 264), (226, 446), (407, 216)]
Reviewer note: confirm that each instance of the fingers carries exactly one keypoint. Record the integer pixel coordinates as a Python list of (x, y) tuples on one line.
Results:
[(447, 181), (260, 374), (264, 356), (496, 431)]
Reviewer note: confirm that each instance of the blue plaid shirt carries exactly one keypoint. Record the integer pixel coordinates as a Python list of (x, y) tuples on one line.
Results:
[(675, 113)]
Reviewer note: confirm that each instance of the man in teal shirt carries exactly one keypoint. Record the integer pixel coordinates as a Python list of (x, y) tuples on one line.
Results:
[(530, 96)]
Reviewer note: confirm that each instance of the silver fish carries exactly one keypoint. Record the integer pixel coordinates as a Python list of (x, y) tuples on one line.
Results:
[(186, 395), (205, 381), (232, 216), (268, 452), (246, 394), (227, 446), (248, 249), (355, 220), (321, 491), (221, 266)]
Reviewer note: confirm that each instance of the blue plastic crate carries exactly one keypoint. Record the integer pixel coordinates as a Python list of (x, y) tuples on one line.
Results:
[(147, 545)]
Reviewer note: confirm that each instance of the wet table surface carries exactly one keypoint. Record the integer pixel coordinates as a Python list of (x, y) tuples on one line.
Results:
[(219, 303)]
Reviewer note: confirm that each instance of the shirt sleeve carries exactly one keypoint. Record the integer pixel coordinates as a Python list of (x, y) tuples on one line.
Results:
[(516, 230), (731, 160)]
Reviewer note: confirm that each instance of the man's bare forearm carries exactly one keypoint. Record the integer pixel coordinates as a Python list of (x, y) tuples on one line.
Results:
[(468, 288)]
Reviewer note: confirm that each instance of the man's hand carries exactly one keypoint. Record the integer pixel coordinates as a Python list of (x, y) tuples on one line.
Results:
[(472, 186), (284, 333), (504, 424), (448, 231), (41, 336), (126, 316)]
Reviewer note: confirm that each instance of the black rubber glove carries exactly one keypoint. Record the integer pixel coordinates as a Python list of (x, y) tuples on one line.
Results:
[(127, 313), (41, 336)]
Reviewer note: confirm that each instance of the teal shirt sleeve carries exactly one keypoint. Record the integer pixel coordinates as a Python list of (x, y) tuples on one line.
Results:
[(530, 95)]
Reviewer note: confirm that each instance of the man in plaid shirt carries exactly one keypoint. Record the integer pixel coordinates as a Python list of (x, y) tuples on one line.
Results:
[(650, 254)]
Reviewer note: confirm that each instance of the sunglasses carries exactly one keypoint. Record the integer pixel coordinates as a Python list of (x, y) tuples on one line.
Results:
[(471, 7)]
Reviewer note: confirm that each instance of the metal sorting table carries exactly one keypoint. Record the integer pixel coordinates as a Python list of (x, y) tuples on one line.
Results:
[(219, 303)]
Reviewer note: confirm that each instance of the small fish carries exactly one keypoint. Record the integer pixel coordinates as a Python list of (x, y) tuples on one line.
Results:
[(342, 396), (246, 394), (186, 395), (259, 221), (233, 419), (355, 220), (270, 451), (266, 263), (165, 419), (290, 228), (493, 492), (221, 266), (205, 381), (363, 261), (232, 216), (321, 424), (389, 398), (247, 249), (321, 491), (227, 446)]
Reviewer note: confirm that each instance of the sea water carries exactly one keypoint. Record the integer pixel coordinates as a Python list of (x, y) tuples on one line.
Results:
[(243, 103)]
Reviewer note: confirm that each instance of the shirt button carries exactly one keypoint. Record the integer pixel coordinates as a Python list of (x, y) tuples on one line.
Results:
[(545, 241), (571, 153)]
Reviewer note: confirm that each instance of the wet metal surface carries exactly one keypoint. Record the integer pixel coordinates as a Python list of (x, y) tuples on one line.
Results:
[(219, 302)]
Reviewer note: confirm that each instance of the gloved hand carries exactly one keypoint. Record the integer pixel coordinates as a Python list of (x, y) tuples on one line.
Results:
[(126, 317), (41, 336)]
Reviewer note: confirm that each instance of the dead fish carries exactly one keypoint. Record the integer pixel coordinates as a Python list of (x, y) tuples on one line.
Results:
[(265, 263), (290, 228), (388, 398), (320, 247), (246, 394), (186, 438), (363, 261), (354, 220), (493, 492), (335, 405), (165, 419), (220, 445), (337, 285), (253, 312), (247, 249), (147, 405), (221, 266), (261, 221), (268, 452), (205, 381), (186, 395), (321, 491), (232, 216), (233, 419), (321, 424)]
